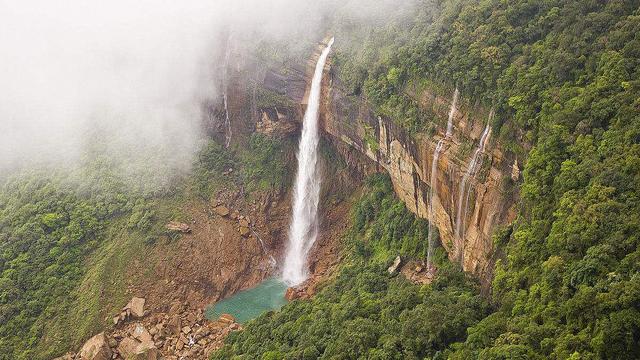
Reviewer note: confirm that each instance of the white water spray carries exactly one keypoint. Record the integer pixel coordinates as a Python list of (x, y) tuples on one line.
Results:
[(434, 173), (304, 223), (465, 191)]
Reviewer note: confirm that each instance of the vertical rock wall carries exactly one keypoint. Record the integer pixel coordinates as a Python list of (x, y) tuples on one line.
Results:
[(371, 143)]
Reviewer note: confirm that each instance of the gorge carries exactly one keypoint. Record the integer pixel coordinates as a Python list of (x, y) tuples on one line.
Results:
[(445, 180)]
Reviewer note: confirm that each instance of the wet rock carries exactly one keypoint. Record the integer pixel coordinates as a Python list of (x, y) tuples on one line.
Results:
[(275, 124), (297, 292), (178, 226), (96, 348), (227, 318)]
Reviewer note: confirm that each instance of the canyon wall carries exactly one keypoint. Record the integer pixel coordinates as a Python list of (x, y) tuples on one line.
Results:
[(371, 143)]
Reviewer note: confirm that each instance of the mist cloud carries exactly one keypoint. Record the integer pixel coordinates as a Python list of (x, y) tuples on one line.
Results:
[(135, 72)]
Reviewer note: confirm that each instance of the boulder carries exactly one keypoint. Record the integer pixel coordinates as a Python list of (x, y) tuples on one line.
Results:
[(141, 334), (96, 348), (221, 210), (139, 346), (178, 227), (135, 307), (132, 349), (227, 318), (243, 223), (244, 231), (174, 325), (394, 267), (297, 292), (515, 171)]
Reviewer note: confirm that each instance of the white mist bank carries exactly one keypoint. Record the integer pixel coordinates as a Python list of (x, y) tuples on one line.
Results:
[(136, 72)]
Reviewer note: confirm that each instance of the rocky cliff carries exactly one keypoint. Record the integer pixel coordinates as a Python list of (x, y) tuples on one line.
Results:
[(371, 143)]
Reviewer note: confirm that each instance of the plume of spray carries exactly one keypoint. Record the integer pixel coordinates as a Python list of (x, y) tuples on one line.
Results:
[(306, 193)]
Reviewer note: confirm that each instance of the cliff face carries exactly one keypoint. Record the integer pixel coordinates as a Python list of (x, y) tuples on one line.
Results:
[(371, 143), (409, 160)]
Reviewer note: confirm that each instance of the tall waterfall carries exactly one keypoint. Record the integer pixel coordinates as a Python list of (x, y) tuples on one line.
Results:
[(465, 191), (304, 223), (434, 173)]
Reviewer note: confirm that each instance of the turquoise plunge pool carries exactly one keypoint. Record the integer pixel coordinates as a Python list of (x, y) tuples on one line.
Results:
[(249, 304)]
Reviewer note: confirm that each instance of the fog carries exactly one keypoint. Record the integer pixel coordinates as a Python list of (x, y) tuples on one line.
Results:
[(129, 75)]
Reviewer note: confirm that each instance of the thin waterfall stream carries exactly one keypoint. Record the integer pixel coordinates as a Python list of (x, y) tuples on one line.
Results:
[(434, 173), (306, 194), (465, 189)]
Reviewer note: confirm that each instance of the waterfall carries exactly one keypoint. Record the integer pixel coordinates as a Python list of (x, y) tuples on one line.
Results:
[(452, 113), (434, 173), (272, 260), (465, 191), (227, 121), (304, 223)]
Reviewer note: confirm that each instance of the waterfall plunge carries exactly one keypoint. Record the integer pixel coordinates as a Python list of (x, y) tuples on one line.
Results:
[(304, 223), (434, 173), (465, 191)]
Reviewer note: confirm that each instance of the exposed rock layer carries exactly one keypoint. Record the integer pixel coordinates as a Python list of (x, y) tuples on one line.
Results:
[(381, 145)]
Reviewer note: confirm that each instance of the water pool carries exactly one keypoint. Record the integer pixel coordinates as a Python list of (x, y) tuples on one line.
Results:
[(249, 304)]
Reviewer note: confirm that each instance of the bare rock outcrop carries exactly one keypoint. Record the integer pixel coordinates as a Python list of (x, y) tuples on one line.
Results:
[(396, 263), (178, 227)]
